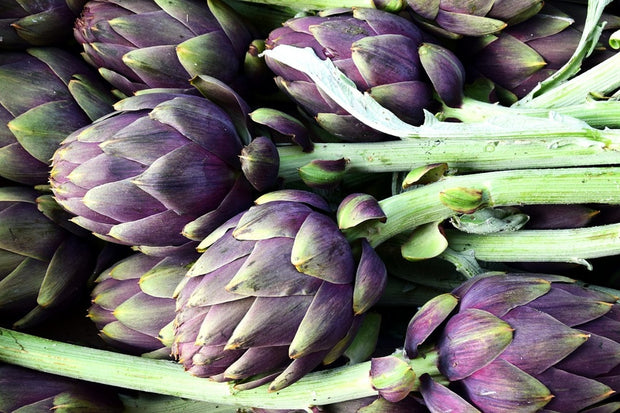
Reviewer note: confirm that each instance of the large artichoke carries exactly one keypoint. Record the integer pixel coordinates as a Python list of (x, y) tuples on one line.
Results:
[(277, 291), (161, 161), (133, 304), (37, 23), (23, 390), (43, 266), (141, 44), (382, 53), (46, 94), (455, 19), (511, 342)]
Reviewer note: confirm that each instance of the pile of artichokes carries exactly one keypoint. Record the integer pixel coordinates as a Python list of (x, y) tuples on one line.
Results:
[(325, 206)]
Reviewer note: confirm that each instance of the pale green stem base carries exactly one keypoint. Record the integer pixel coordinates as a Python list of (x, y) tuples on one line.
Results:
[(424, 204)]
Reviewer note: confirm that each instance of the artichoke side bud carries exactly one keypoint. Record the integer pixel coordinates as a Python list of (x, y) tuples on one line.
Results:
[(26, 24), (512, 342), (29, 390), (145, 44), (162, 170), (133, 305), (382, 54), (43, 265), (273, 294), (46, 94)]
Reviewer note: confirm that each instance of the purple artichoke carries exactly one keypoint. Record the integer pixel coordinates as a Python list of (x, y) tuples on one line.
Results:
[(37, 23), (44, 265), (133, 304), (523, 55), (161, 170), (46, 94), (277, 291), (382, 53), (140, 44), (511, 342), (24, 390), (455, 19)]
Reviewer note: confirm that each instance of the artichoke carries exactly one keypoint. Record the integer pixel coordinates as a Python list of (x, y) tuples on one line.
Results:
[(277, 291), (23, 390), (46, 94), (523, 55), (163, 160), (37, 23), (382, 53), (141, 44), (43, 265), (509, 342), (454, 19), (133, 305)]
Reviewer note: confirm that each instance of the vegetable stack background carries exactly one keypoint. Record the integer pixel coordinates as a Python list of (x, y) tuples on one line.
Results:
[(251, 205)]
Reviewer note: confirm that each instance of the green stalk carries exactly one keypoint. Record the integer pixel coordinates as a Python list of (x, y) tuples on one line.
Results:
[(476, 153), (573, 245), (168, 378), (596, 113), (454, 194)]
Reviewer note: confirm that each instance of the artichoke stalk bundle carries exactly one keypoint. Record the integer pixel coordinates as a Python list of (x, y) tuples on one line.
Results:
[(142, 44)]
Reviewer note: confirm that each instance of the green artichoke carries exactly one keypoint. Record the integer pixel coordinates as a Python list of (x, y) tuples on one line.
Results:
[(277, 291), (43, 266), (384, 54), (23, 390), (161, 170), (511, 342), (46, 94), (133, 305), (140, 44), (37, 23), (454, 19)]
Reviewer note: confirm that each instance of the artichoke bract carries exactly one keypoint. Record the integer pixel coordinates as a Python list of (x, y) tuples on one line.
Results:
[(133, 304), (141, 44), (23, 390), (511, 342), (384, 54), (163, 160), (46, 94), (43, 265), (455, 19), (37, 23), (277, 291)]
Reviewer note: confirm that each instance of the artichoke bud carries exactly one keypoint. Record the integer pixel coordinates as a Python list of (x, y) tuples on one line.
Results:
[(392, 377), (463, 200), (283, 124), (514, 340), (323, 174), (273, 294), (357, 208)]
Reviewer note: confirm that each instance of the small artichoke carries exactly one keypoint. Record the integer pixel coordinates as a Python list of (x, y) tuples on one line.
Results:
[(384, 54), (140, 44), (46, 94), (277, 291), (133, 305), (43, 265), (511, 342), (37, 23), (24, 390), (163, 160), (454, 19)]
